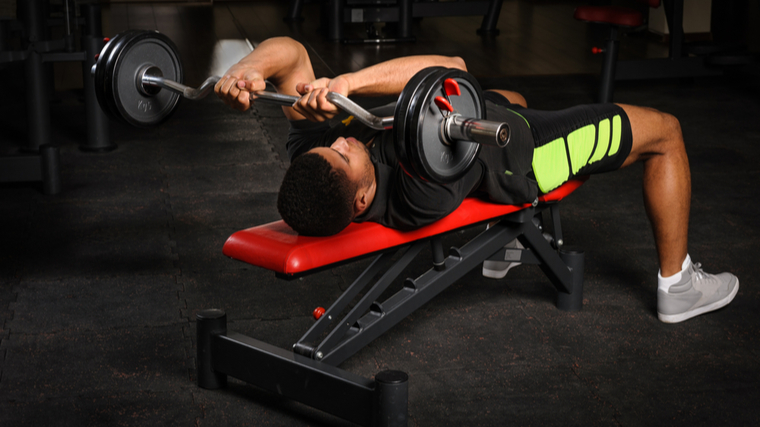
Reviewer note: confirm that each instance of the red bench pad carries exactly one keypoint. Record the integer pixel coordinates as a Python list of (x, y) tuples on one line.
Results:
[(614, 15), (275, 246)]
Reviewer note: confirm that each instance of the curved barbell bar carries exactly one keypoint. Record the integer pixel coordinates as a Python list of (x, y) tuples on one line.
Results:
[(149, 78)]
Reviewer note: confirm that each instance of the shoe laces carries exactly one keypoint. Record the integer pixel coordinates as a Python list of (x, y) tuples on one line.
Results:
[(697, 269), (701, 276), (704, 281)]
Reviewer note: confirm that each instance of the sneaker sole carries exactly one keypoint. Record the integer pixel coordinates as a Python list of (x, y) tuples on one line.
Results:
[(675, 318), (498, 274)]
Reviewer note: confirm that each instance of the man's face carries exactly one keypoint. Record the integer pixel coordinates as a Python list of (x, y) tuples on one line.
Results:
[(352, 157)]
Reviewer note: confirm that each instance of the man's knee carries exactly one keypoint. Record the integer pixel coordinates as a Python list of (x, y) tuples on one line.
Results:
[(519, 99), (672, 128), (512, 97), (672, 137), (654, 132)]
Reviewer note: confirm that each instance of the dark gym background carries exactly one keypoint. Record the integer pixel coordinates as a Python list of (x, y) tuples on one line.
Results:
[(99, 284)]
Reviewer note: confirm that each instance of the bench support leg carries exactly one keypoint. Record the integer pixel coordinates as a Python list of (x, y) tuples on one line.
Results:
[(573, 300), (382, 402), (563, 266), (391, 399), (210, 323)]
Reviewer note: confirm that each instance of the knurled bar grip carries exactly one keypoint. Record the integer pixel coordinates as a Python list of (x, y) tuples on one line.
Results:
[(455, 126)]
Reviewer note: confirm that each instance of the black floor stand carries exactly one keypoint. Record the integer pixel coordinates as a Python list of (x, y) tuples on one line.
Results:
[(38, 160)]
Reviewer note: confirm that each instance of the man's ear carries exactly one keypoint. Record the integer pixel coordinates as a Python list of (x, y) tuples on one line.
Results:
[(364, 197), (361, 201)]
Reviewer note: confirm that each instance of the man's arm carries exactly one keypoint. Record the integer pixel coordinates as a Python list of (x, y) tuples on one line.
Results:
[(390, 77), (286, 64), (281, 60), (385, 78)]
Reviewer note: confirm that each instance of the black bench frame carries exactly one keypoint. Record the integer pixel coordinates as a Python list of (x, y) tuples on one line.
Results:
[(309, 373)]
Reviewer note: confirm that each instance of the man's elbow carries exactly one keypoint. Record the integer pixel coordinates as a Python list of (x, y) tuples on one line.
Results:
[(284, 44), (283, 40)]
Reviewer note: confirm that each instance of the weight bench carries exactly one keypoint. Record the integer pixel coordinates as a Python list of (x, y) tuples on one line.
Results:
[(308, 373)]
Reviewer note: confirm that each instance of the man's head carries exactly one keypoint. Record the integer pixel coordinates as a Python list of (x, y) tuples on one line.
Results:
[(327, 187)]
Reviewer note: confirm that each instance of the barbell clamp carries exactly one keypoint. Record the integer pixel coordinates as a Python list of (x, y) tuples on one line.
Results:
[(457, 128)]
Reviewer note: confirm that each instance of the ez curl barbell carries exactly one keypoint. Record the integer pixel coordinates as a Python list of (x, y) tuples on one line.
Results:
[(438, 124)]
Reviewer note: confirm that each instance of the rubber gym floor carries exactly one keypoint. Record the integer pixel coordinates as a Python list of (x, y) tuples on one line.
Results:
[(100, 284)]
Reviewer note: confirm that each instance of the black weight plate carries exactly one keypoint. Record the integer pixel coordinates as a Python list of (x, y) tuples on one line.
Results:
[(435, 160), (431, 158), (104, 73), (401, 139), (98, 76), (411, 125), (134, 53)]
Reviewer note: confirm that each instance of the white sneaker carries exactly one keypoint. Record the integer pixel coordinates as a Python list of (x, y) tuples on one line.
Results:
[(696, 293), (499, 269)]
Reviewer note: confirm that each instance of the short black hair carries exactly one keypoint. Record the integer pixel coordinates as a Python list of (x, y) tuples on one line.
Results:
[(314, 198)]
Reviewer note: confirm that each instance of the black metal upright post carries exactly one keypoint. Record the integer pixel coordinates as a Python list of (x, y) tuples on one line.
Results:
[(674, 17), (50, 169), (335, 20), (490, 19), (294, 12), (607, 82), (3, 35), (98, 128), (405, 19), (37, 90)]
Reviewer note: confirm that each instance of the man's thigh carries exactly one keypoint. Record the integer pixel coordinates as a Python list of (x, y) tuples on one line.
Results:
[(582, 140)]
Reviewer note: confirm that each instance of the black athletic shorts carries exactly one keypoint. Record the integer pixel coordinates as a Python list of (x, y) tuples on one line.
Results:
[(582, 140)]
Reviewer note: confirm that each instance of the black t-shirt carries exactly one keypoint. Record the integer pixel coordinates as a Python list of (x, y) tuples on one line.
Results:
[(406, 203)]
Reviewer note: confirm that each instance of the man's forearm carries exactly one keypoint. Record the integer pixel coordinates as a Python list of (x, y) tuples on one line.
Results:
[(280, 60), (390, 77)]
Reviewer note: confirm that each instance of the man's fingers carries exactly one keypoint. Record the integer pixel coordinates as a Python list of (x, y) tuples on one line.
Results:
[(312, 100), (237, 100), (227, 85), (218, 86), (221, 88), (314, 105), (304, 88), (228, 89), (243, 100), (237, 84), (251, 85), (324, 104)]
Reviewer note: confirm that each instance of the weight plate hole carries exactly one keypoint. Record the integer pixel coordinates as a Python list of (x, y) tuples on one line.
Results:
[(147, 89)]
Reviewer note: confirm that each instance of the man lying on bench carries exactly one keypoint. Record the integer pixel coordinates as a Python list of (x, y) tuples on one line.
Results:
[(335, 179)]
